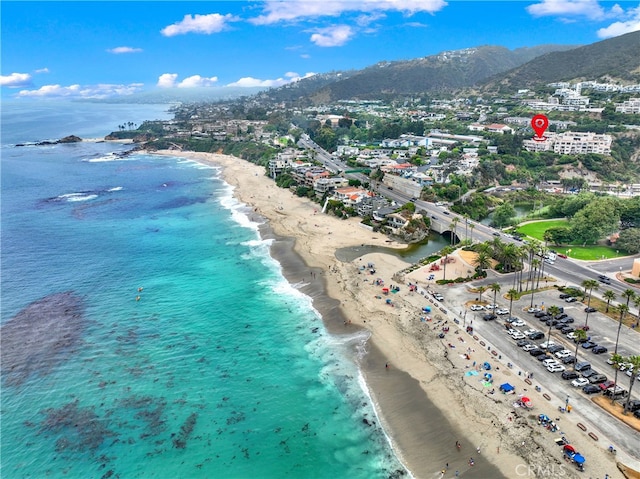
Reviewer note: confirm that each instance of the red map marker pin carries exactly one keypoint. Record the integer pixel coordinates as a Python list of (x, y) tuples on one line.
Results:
[(539, 123)]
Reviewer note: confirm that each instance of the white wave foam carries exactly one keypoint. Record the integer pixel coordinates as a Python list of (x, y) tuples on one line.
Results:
[(77, 197), (108, 158), (116, 188)]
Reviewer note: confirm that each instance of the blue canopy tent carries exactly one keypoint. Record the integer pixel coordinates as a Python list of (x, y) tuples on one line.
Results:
[(487, 366), (506, 387), (578, 458)]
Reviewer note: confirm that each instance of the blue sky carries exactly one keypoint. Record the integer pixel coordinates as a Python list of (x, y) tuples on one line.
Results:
[(105, 49)]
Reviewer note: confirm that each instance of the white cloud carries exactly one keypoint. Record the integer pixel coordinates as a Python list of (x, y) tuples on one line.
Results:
[(247, 82), (206, 24), (334, 36), (590, 9), (119, 50), (196, 81), (77, 91), (42, 70), (289, 10), (631, 24), (15, 80), (170, 80), (167, 80)]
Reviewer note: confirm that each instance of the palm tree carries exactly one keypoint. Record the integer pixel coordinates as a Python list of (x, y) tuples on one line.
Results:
[(472, 226), (589, 284), (581, 335), (482, 261), (446, 251), (609, 296), (481, 289), (452, 226), (511, 294), (629, 294), (617, 361), (495, 287), (553, 311), (466, 226), (635, 361), (534, 266)]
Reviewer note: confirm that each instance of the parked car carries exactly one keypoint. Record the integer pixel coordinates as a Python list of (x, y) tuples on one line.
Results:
[(555, 348), (560, 316), (617, 392), (540, 314), (636, 414), (564, 296), (598, 349), (571, 300), (548, 361), (491, 306), (502, 311), (583, 366), (567, 330), (551, 322), (587, 373), (522, 342), (477, 307), (590, 309), (536, 352), (570, 375), (606, 385), (597, 379), (567, 320), (634, 405), (589, 345), (569, 360), (579, 382), (563, 353), (546, 344), (536, 335), (560, 255), (518, 335), (529, 347), (591, 389), (556, 368), (489, 317), (533, 310)]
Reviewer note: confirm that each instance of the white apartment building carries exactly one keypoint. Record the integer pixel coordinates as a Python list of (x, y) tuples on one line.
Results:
[(574, 143), (571, 143), (630, 106)]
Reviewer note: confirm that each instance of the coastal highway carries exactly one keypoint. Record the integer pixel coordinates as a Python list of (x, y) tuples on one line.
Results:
[(568, 271)]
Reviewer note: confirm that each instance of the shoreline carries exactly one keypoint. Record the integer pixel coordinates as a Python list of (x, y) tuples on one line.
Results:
[(424, 399)]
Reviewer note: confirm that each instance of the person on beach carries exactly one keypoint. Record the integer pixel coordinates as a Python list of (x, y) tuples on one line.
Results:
[(458, 444)]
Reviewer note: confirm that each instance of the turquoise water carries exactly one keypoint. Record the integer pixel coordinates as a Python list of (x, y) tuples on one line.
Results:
[(195, 358)]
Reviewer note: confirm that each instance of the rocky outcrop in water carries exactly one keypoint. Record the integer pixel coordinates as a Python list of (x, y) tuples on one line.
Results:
[(66, 139), (40, 337)]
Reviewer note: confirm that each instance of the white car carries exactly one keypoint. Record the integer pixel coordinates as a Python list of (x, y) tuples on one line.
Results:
[(556, 368), (528, 347), (549, 361), (580, 382), (518, 324), (533, 310), (518, 335), (565, 353), (530, 331), (477, 307), (491, 306), (546, 344), (572, 335), (502, 311), (511, 331)]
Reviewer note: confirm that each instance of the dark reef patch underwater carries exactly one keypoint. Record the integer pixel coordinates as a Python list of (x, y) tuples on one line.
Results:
[(41, 336)]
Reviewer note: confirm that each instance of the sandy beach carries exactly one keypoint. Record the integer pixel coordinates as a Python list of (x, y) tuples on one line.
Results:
[(428, 390)]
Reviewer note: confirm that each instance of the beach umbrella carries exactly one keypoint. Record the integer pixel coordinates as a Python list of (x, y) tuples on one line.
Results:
[(525, 399), (569, 448), (578, 458), (487, 366)]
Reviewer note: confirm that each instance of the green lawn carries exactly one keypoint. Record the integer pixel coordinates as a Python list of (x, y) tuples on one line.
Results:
[(537, 228), (588, 253)]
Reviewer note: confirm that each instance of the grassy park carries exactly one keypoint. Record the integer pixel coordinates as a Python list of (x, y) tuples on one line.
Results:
[(536, 229)]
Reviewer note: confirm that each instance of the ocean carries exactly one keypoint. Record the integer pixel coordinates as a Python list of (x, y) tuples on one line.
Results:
[(146, 330)]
